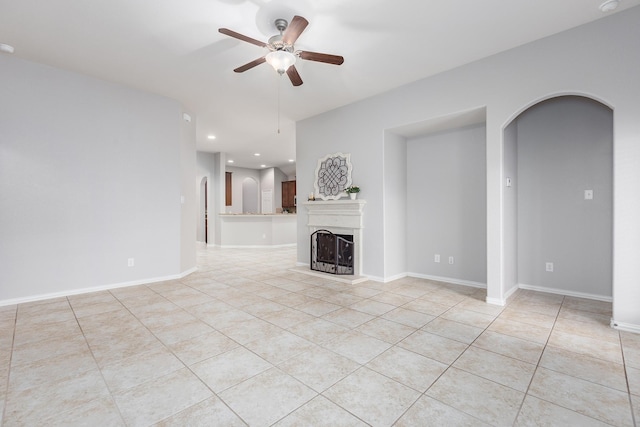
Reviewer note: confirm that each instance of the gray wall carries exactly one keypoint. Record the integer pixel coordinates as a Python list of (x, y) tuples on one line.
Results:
[(565, 147), (90, 175), (446, 205), (578, 61), (188, 199)]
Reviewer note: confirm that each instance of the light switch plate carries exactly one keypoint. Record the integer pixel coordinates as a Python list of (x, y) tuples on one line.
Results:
[(588, 194)]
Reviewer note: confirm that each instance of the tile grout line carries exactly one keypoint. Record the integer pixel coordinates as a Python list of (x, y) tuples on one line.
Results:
[(6, 391), (626, 377), (115, 404), (537, 365), (189, 367)]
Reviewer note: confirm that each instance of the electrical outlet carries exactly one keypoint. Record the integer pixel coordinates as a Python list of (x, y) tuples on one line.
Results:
[(549, 267), (436, 258), (450, 260), (131, 262)]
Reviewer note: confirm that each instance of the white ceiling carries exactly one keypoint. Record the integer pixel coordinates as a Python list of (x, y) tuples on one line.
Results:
[(173, 48)]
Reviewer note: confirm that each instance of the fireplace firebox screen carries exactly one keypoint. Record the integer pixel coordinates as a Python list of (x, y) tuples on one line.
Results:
[(332, 253)]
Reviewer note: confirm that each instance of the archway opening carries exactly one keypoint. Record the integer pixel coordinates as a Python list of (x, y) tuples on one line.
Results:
[(203, 225), (558, 198), (250, 196)]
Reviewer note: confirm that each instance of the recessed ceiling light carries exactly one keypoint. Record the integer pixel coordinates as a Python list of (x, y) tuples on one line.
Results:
[(609, 6), (6, 48), (257, 154), (263, 166), (229, 161), (291, 160), (211, 137)]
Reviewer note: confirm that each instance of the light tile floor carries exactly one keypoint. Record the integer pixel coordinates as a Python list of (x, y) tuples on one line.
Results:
[(245, 341)]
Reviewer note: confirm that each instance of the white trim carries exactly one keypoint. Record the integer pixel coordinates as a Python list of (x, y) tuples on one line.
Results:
[(510, 292), (496, 301), (449, 280), (566, 293), (187, 272), (395, 277), (375, 278), (502, 302), (628, 327), (70, 292)]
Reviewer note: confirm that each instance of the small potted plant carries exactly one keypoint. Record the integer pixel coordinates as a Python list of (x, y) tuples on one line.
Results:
[(353, 191)]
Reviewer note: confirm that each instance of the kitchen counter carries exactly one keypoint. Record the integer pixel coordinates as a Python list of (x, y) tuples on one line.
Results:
[(257, 230)]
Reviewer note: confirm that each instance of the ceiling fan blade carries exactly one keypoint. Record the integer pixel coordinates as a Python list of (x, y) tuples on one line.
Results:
[(250, 65), (230, 33), (294, 76), (295, 28), (321, 57)]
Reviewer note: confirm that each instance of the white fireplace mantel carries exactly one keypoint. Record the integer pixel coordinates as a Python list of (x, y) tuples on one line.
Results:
[(340, 217)]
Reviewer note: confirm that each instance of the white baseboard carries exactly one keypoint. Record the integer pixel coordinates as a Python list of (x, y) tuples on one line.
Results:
[(187, 272), (496, 301), (628, 327), (449, 280), (566, 292), (81, 291), (502, 301), (395, 277), (510, 292)]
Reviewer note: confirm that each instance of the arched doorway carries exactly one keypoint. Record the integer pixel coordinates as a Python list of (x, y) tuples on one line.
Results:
[(558, 198), (203, 224), (250, 196)]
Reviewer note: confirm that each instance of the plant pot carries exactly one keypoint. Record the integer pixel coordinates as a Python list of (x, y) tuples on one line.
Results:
[(353, 195)]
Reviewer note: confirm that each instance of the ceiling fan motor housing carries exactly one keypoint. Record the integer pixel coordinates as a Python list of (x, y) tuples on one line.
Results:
[(276, 43)]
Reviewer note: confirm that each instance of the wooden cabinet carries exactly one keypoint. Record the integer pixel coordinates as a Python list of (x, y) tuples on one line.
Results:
[(288, 194), (227, 189)]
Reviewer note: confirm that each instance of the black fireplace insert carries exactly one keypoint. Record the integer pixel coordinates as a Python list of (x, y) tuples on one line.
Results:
[(332, 253)]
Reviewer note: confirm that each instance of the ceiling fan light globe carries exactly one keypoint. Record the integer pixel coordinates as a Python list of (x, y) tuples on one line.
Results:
[(281, 60)]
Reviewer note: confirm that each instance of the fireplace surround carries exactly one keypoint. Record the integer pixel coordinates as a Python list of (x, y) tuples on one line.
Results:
[(341, 217)]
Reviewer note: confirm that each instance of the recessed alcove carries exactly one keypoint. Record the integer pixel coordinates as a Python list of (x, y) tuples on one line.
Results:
[(435, 178)]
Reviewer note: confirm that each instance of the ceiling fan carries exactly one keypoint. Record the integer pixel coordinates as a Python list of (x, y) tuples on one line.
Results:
[(282, 54)]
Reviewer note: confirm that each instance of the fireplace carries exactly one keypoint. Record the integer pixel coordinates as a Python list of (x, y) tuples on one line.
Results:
[(332, 253), (335, 228)]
